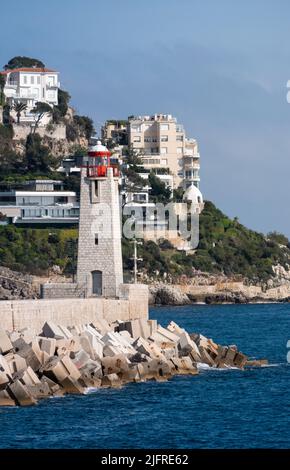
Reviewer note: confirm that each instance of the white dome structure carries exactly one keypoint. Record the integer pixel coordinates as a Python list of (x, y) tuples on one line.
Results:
[(193, 195), (99, 147)]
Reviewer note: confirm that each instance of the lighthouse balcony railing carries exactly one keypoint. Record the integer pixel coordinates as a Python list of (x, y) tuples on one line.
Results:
[(101, 171)]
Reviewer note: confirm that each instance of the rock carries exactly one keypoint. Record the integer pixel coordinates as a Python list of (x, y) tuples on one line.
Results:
[(15, 362), (101, 325), (53, 386), (111, 380), (80, 359), (149, 348), (132, 326), (184, 365), (4, 366), (65, 346), (48, 345), (40, 390), (240, 360), (71, 385), (27, 335), (96, 343), (55, 369), (257, 363), (6, 399), (186, 346), (27, 377), (51, 330), (20, 394), (164, 294), (115, 365), (74, 373), (4, 380), (27, 352), (5, 343), (205, 357)]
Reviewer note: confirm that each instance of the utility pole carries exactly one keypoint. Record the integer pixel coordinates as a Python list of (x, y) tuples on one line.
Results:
[(136, 259)]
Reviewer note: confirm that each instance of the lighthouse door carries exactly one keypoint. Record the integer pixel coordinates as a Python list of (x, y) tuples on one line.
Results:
[(97, 282)]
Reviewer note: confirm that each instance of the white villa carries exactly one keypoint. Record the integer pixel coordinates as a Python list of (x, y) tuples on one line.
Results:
[(39, 202), (29, 85)]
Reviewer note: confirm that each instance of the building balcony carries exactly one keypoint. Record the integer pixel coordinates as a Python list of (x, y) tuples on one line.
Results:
[(192, 178), (192, 166), (53, 86), (189, 153), (11, 85)]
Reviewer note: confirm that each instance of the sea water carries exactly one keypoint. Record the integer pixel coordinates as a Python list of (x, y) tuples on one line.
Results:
[(216, 409)]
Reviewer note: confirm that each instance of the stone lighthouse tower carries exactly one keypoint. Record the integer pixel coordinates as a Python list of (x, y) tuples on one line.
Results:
[(100, 270)]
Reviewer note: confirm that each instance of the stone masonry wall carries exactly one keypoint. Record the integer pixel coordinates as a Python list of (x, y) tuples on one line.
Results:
[(18, 314), (100, 217)]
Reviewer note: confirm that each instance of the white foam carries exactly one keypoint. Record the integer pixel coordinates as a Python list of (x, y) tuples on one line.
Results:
[(89, 390)]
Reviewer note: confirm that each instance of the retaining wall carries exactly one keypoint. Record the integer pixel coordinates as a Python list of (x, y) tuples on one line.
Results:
[(18, 314)]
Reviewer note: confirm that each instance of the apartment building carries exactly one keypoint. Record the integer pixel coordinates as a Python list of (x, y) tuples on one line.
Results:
[(160, 141), (115, 131), (191, 164), (29, 85)]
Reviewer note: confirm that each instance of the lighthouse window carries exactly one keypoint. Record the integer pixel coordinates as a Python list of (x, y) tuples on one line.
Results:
[(96, 189), (96, 239)]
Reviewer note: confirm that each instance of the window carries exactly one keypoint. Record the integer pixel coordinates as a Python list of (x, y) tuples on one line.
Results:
[(137, 138), (154, 149), (154, 139), (32, 80), (96, 239), (96, 188), (163, 150), (135, 128), (179, 138), (147, 139), (164, 161), (164, 127), (164, 138), (25, 79), (38, 80), (179, 150)]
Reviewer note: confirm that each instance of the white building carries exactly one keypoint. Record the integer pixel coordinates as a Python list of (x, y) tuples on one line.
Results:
[(40, 201), (29, 85)]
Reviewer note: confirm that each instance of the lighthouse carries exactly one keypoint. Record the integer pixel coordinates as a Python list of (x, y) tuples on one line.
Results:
[(100, 270)]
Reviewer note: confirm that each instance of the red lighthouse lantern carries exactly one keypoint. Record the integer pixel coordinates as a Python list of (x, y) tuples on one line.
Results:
[(99, 160)]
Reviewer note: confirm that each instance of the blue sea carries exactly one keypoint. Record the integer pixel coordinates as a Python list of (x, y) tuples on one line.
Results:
[(216, 409)]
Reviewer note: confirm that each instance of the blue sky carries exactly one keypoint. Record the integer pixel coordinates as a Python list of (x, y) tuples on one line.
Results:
[(221, 67)]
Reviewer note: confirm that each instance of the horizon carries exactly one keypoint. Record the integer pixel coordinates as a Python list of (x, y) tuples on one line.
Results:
[(221, 70)]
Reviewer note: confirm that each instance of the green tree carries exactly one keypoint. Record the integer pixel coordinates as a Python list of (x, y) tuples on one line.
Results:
[(40, 110), (37, 156), (159, 191), (60, 110), (23, 61), (19, 108), (85, 125)]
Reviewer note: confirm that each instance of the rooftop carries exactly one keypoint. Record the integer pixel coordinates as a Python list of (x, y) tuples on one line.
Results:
[(29, 69)]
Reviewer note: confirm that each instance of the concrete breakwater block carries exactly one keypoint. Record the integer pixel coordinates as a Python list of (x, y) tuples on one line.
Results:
[(5, 343), (65, 360)]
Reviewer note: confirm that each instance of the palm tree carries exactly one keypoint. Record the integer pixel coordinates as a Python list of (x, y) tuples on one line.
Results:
[(18, 108)]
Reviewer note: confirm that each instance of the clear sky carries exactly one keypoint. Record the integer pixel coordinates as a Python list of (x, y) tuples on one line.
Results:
[(220, 66)]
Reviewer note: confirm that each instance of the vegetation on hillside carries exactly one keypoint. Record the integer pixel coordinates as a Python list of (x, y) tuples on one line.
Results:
[(226, 246), (35, 250)]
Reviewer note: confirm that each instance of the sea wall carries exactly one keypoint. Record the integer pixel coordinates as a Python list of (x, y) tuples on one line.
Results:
[(18, 314)]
